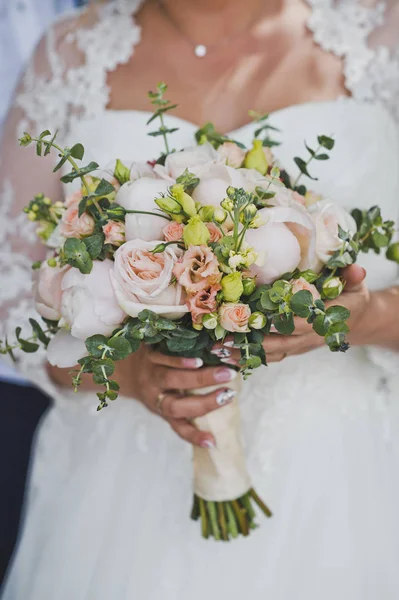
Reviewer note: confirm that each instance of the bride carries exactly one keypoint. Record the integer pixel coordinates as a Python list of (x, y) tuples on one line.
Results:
[(109, 496)]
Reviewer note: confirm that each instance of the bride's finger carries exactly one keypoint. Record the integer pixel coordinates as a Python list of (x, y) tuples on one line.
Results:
[(290, 344), (190, 407), (190, 434), (175, 362)]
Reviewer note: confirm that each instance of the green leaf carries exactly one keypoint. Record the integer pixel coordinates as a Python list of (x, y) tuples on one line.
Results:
[(165, 324), (39, 332), (102, 369), (180, 344), (26, 346), (381, 240), (320, 304), (321, 157), (253, 362), (320, 325), (121, 348), (303, 167), (93, 166), (104, 188), (61, 164), (336, 314), (309, 275), (266, 303), (326, 142), (284, 323), (83, 205), (77, 151), (94, 244), (301, 303), (95, 345), (77, 255)]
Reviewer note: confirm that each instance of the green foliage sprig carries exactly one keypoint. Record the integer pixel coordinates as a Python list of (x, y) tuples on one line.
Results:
[(325, 142), (162, 106), (264, 129)]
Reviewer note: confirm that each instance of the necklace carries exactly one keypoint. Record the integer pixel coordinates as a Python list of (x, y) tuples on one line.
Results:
[(201, 50)]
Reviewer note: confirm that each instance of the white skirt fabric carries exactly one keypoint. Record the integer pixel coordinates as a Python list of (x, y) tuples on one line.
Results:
[(110, 496)]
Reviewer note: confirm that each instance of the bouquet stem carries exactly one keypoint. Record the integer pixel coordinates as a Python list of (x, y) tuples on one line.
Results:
[(227, 520)]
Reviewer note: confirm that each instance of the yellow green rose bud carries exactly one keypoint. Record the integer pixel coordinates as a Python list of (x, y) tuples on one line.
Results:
[(168, 205), (203, 140), (257, 320), (256, 159), (249, 285), (31, 216), (210, 321), (52, 262), (227, 204), (198, 326), (393, 252), (185, 201), (121, 172), (332, 287), (206, 213), (196, 232), (232, 287), (35, 207), (47, 201), (45, 230), (248, 214)]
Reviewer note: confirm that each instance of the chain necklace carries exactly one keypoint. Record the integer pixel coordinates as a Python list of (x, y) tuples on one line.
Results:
[(201, 50)]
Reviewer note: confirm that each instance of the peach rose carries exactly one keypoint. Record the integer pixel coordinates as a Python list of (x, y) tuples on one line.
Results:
[(232, 155), (215, 232), (198, 269), (301, 284), (234, 317), (202, 303), (142, 279), (47, 290), (71, 224), (114, 233), (173, 232)]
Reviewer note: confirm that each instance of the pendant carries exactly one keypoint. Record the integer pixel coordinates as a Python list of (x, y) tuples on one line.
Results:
[(200, 51)]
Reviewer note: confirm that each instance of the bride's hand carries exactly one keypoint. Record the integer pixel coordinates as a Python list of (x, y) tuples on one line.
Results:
[(356, 298), (159, 380)]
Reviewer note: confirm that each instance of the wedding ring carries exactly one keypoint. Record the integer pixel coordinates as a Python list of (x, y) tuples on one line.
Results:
[(160, 399)]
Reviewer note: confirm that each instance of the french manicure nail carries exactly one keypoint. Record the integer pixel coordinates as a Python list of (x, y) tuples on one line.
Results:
[(208, 444), (225, 396), (273, 329), (224, 375), (192, 363), (221, 352), (229, 344)]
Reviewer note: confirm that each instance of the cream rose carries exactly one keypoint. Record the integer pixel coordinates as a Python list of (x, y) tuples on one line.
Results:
[(47, 290), (89, 305), (234, 317), (198, 269), (285, 242), (300, 284), (197, 160), (327, 217), (142, 279), (140, 195)]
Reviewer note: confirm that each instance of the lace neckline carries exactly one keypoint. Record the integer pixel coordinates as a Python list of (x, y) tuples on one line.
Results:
[(76, 93)]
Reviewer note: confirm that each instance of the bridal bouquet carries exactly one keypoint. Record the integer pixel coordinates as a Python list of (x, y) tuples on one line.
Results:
[(212, 241)]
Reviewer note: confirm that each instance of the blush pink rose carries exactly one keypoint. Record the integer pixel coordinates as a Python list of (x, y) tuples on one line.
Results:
[(71, 224), (114, 232), (173, 232), (198, 269), (215, 232), (299, 198), (232, 155), (298, 285), (202, 303), (142, 279), (47, 290), (234, 317)]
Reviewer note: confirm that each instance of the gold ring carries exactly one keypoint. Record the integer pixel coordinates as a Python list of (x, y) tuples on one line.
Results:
[(160, 399)]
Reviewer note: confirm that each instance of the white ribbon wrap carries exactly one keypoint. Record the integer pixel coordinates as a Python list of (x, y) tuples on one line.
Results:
[(220, 474)]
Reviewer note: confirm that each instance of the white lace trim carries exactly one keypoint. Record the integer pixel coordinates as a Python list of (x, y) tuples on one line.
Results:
[(55, 99), (344, 28)]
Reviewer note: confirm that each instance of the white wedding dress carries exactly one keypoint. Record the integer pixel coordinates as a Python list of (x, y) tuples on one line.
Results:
[(107, 513)]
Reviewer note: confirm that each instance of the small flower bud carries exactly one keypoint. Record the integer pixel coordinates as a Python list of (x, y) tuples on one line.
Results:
[(231, 192), (256, 159), (35, 207), (196, 232), (168, 205), (227, 204), (257, 320), (206, 213), (47, 201), (248, 214), (210, 321), (219, 215), (31, 216), (121, 173), (198, 326), (232, 287), (185, 201), (332, 287), (52, 262), (249, 286)]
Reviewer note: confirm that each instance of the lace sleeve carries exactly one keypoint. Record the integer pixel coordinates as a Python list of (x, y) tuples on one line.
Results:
[(22, 175)]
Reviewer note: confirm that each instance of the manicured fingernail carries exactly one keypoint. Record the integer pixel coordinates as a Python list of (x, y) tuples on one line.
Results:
[(229, 344), (273, 329), (221, 352), (225, 396), (224, 375), (208, 444), (192, 363)]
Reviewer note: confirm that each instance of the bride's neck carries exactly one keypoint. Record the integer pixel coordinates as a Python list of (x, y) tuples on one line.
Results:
[(209, 20)]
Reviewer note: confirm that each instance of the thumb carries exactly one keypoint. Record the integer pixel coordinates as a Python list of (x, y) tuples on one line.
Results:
[(354, 275)]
